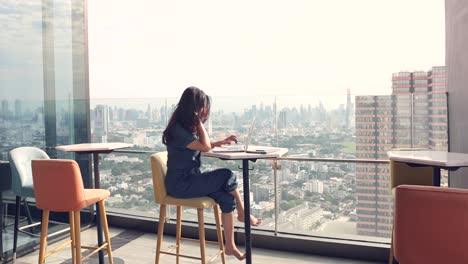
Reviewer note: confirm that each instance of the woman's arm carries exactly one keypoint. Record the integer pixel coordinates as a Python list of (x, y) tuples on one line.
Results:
[(226, 141), (203, 143)]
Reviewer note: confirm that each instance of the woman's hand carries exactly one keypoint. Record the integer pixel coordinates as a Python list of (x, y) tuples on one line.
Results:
[(197, 116), (226, 141), (198, 121), (201, 116)]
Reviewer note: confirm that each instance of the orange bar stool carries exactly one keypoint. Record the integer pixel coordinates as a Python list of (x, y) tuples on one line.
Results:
[(159, 169), (59, 187)]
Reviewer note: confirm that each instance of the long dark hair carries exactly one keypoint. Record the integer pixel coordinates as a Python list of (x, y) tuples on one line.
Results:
[(191, 102)]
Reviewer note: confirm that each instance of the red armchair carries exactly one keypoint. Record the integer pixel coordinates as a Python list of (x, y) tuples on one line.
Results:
[(431, 225)]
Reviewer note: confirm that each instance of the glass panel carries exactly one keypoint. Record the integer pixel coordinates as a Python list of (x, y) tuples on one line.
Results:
[(21, 76), (128, 177), (40, 84), (63, 69), (333, 199)]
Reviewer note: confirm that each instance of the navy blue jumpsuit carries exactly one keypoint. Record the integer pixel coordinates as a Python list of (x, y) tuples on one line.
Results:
[(184, 178)]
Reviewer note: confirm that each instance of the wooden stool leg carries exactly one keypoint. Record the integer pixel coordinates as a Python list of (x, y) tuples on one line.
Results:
[(77, 226), (44, 229), (219, 232), (201, 234), (72, 236), (162, 217), (105, 227), (178, 231)]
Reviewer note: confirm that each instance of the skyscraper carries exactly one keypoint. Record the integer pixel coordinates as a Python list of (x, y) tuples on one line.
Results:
[(101, 123), (413, 116), (282, 119), (348, 109), (18, 109), (4, 110)]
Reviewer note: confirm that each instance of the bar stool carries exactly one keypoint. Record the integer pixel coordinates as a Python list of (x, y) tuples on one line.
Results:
[(159, 169), (59, 187), (22, 186)]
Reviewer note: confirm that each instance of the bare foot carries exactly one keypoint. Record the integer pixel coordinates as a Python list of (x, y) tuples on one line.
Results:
[(233, 251), (253, 220)]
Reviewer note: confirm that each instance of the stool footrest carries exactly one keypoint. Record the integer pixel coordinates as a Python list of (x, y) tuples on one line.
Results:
[(180, 255), (55, 250), (196, 240), (89, 247), (215, 256), (172, 247), (21, 229), (96, 249), (191, 257)]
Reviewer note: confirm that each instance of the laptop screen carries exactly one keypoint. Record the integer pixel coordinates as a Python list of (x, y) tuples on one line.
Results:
[(248, 137)]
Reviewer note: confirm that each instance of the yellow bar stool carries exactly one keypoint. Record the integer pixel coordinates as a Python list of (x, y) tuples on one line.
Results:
[(159, 169)]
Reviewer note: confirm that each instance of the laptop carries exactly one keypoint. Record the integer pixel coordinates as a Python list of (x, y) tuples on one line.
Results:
[(245, 147)]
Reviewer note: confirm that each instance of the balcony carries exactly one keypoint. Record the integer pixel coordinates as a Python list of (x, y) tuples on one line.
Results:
[(130, 246), (331, 190), (329, 196)]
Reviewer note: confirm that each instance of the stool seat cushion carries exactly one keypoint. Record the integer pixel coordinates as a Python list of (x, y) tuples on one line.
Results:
[(91, 196)]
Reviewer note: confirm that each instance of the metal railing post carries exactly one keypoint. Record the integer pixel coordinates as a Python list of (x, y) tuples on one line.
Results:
[(275, 181)]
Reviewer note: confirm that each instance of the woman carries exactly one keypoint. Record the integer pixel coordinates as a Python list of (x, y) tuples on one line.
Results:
[(185, 137)]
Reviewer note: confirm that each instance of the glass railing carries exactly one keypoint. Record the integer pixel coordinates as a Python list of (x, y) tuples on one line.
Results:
[(306, 196), (334, 181)]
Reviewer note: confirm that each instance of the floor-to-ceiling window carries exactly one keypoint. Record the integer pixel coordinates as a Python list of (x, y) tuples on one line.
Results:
[(43, 74), (335, 79), (326, 79), (43, 79)]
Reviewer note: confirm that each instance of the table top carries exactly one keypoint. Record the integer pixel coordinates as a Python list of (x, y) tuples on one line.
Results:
[(429, 157), (93, 147), (278, 152)]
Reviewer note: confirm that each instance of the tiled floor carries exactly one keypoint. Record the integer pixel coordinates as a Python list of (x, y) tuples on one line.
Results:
[(133, 247)]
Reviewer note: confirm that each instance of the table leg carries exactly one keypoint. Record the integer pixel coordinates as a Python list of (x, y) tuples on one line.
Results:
[(436, 176), (97, 185), (248, 241)]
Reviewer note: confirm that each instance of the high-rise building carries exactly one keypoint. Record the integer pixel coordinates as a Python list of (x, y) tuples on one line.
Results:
[(4, 110), (149, 113), (18, 109), (315, 186), (348, 109), (413, 116), (101, 123), (262, 192), (282, 120)]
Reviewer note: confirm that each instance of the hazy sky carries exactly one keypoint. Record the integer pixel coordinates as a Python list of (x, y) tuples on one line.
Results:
[(148, 48)]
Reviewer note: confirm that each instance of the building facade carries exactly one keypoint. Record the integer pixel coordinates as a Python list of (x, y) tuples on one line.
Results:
[(413, 116)]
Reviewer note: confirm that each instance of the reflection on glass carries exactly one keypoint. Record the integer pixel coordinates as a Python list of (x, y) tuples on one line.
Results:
[(39, 81), (21, 76)]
